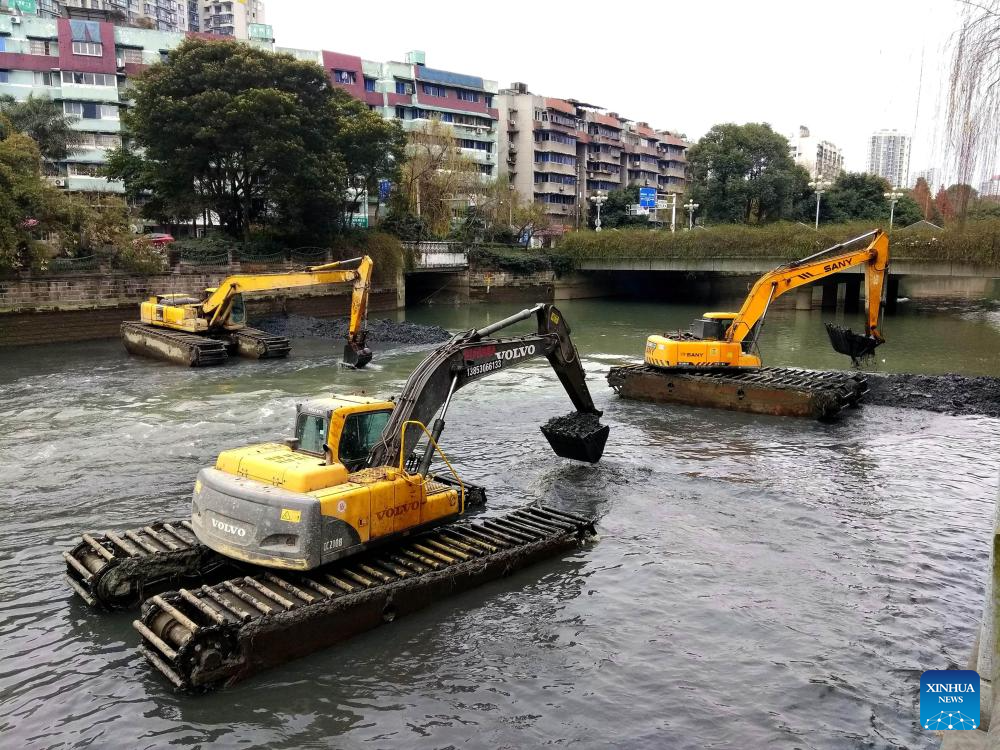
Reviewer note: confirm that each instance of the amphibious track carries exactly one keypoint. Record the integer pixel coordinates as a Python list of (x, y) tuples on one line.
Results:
[(115, 571), (205, 637), (195, 350), (780, 391)]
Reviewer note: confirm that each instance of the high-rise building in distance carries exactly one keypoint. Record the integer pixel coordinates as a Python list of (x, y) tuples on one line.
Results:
[(889, 157), (820, 158)]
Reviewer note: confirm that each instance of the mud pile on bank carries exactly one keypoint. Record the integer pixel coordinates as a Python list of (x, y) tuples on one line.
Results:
[(948, 394), (380, 330)]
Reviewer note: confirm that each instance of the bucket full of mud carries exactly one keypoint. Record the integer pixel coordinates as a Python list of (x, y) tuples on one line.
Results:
[(356, 358), (578, 435), (857, 346)]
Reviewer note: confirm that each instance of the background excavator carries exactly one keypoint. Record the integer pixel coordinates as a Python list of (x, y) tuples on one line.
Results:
[(716, 362), (201, 332), (342, 526), (725, 339)]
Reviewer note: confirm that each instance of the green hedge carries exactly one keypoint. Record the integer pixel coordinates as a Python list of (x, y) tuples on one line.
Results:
[(976, 242), (518, 259)]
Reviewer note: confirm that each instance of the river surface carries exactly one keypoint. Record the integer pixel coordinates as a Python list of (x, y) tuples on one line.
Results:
[(758, 582)]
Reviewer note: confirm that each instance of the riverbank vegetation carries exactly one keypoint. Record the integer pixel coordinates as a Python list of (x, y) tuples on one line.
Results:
[(974, 242)]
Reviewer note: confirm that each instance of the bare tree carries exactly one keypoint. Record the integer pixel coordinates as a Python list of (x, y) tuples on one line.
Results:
[(973, 124)]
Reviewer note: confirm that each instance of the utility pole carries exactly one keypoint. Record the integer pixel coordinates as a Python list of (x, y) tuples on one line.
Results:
[(598, 200), (819, 185), (893, 197), (691, 206)]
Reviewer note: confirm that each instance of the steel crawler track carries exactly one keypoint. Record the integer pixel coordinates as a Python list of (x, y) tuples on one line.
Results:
[(781, 391), (205, 637), (173, 346), (257, 344), (118, 570)]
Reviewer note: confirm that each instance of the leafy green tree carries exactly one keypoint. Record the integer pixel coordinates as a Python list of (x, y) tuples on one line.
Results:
[(856, 196), (614, 211), (744, 174), (43, 121), (251, 136)]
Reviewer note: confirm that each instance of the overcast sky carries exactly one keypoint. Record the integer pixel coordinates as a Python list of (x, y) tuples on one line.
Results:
[(842, 68)]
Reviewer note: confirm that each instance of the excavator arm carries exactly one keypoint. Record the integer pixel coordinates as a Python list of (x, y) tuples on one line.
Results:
[(770, 286), (474, 355), (356, 270)]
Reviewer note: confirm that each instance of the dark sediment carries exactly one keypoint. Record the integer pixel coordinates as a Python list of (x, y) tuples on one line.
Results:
[(380, 330), (947, 394), (577, 424)]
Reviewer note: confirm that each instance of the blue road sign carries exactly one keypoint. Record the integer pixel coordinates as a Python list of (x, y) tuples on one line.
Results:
[(647, 197), (384, 188)]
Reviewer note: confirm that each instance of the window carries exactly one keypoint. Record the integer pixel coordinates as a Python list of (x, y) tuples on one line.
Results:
[(431, 90), (486, 169), (89, 79), (130, 55), (4, 76), (91, 110), (477, 145), (467, 96), (489, 99), (369, 84), (404, 87), (43, 47), (84, 170), (345, 77), (310, 430), (542, 156), (91, 49), (447, 117), (3, 44), (45, 79), (361, 432)]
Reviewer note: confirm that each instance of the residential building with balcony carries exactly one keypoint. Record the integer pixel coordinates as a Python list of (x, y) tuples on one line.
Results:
[(560, 152), (820, 158), (240, 19), (84, 65), (539, 141), (161, 15)]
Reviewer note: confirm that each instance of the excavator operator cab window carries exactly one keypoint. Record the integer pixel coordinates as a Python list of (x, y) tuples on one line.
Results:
[(310, 431), (361, 433), (238, 312)]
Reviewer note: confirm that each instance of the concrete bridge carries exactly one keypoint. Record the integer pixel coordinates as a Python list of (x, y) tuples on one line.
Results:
[(434, 257)]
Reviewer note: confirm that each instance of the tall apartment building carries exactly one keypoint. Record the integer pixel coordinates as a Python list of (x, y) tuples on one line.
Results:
[(84, 66), (242, 19), (415, 94), (931, 176), (889, 157), (820, 158), (162, 15), (560, 152)]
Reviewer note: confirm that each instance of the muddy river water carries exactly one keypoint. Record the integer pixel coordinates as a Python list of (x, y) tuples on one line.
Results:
[(757, 582)]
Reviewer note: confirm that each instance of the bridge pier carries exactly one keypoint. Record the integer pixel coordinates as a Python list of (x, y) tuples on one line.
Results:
[(804, 298), (852, 298), (891, 293), (830, 295)]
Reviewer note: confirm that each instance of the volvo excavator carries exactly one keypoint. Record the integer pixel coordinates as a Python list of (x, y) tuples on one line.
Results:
[(202, 332), (294, 546), (717, 363)]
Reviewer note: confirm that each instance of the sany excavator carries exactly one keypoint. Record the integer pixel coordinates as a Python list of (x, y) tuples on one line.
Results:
[(296, 545), (201, 332), (717, 363)]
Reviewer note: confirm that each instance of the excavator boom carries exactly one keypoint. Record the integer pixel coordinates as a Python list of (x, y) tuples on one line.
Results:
[(770, 286), (477, 354)]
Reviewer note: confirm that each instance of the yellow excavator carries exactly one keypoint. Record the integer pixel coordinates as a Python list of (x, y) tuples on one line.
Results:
[(729, 339), (204, 331), (342, 527)]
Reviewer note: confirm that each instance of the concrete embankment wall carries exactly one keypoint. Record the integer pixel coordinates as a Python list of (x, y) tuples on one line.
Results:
[(986, 659), (85, 306)]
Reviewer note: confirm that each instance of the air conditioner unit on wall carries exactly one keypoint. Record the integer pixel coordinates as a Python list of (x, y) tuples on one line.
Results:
[(59, 182), (15, 20)]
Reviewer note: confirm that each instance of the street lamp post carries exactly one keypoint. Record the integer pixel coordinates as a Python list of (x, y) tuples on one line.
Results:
[(691, 206), (819, 185), (893, 197), (598, 200)]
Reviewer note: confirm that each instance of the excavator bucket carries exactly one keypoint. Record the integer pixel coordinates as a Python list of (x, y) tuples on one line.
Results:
[(356, 357), (579, 436), (857, 346)]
